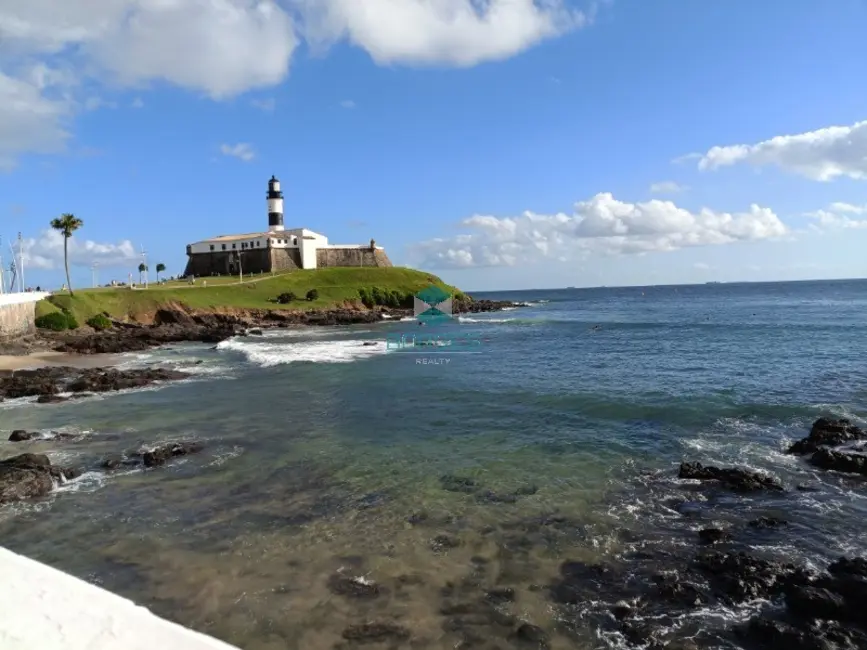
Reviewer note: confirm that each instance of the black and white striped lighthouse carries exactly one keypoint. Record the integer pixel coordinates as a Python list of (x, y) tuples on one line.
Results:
[(275, 206)]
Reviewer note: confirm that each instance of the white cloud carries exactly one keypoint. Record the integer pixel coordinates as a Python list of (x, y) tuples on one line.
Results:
[(46, 252), (839, 216), (223, 48), (347, 103), (241, 151), (454, 32), (600, 225), (138, 102), (821, 155), (266, 105), (32, 118), (667, 187)]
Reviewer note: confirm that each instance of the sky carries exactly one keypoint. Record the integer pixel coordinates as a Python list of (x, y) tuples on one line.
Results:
[(502, 144)]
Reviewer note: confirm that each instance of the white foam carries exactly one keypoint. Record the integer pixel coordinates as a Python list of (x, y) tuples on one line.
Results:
[(470, 319), (274, 354)]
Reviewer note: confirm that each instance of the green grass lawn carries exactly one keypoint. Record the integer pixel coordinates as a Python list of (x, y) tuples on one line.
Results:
[(335, 287)]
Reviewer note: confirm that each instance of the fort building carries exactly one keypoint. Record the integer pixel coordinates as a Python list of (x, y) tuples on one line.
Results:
[(277, 249)]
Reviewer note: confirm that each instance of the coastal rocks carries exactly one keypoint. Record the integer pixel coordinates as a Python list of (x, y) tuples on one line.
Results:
[(838, 461), (713, 535), (478, 306), (828, 433), (737, 577), (739, 480), (136, 338), (47, 383), (353, 587), (20, 436), (30, 475), (154, 457)]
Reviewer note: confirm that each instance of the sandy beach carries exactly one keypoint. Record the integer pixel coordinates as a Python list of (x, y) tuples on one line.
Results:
[(48, 358)]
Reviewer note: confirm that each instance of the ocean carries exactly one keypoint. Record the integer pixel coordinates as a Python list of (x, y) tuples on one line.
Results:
[(344, 483)]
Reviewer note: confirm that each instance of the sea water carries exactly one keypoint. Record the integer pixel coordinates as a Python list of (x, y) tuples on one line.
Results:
[(329, 452)]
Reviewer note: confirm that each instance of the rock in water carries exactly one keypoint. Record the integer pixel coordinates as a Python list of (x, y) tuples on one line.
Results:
[(828, 433), (739, 480), (826, 458), (20, 435), (162, 454), (29, 475)]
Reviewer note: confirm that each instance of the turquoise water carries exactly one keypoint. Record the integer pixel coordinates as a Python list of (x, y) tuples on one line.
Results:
[(324, 454)]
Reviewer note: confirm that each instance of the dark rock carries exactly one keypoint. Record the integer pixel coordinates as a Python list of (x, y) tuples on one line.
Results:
[(738, 576), (443, 542), (255, 332), (767, 522), (807, 602), (351, 587), (30, 475), (375, 633), (51, 399), (838, 461), (101, 381), (493, 497), (453, 483), (819, 635), (20, 435), (828, 433), (671, 588), (530, 636), (621, 610), (580, 582), (500, 595), (739, 480), (713, 535), (417, 518), (163, 453)]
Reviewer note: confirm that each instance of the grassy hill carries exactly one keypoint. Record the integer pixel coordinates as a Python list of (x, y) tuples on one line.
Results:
[(336, 286)]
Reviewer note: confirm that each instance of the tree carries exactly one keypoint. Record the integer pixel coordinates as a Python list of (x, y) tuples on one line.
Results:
[(66, 224), (160, 268), (142, 268)]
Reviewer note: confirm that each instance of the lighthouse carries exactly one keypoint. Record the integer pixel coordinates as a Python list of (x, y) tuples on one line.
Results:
[(275, 206)]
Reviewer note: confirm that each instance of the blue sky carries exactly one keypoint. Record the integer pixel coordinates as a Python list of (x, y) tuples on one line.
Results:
[(499, 143)]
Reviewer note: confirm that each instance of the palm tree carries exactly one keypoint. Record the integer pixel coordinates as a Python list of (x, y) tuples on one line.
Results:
[(142, 268), (66, 224), (160, 268)]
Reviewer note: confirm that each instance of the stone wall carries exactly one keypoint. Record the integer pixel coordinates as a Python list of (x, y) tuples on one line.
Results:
[(285, 259), (361, 256), (17, 320), (203, 265)]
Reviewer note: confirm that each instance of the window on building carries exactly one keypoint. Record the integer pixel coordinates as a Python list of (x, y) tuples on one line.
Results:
[(224, 247), (294, 241), (234, 246), (212, 247)]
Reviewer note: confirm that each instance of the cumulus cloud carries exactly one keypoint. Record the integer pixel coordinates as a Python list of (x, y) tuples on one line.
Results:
[(821, 155), (666, 187), (602, 224), (223, 48), (840, 216), (46, 252), (241, 151), (452, 32)]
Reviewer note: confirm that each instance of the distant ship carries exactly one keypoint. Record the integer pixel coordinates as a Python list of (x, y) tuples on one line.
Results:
[(713, 282)]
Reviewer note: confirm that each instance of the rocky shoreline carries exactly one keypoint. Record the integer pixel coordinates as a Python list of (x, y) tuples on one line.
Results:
[(169, 326)]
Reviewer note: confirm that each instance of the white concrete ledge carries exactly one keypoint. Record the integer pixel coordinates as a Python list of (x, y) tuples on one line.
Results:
[(22, 297), (45, 609)]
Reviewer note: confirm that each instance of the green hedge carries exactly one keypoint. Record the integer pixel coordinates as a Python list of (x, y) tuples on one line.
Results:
[(373, 296), (57, 321), (313, 294), (99, 322)]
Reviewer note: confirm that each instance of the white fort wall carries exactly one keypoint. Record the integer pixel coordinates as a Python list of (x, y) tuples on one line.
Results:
[(45, 609), (18, 314)]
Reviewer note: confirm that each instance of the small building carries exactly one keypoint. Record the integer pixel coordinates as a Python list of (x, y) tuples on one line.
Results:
[(277, 249)]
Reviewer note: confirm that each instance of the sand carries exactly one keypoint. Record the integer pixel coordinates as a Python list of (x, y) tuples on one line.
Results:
[(43, 359)]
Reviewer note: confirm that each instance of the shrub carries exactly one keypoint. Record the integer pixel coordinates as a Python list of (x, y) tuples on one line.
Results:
[(99, 322), (379, 297), (286, 298), (313, 294), (57, 321), (366, 297)]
